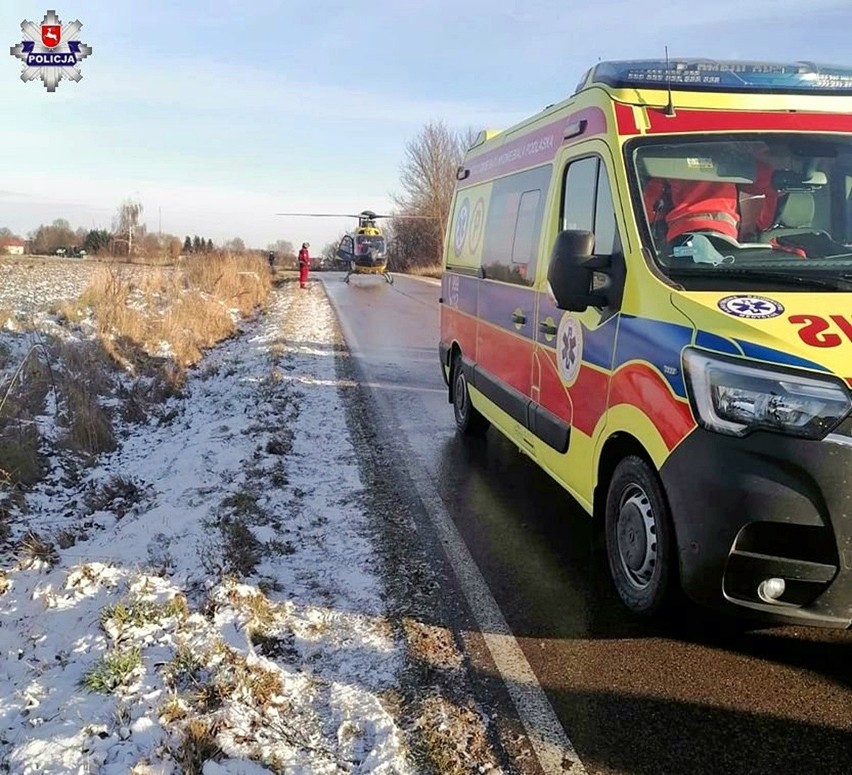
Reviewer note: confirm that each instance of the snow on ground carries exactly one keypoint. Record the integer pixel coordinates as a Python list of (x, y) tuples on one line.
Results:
[(220, 609), (28, 283)]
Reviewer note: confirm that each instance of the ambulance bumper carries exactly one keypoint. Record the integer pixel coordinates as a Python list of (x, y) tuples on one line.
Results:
[(761, 508)]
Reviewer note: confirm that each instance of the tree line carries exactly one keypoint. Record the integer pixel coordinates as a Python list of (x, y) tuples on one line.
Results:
[(128, 237)]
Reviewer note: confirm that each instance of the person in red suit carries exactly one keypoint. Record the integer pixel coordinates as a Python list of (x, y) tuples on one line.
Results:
[(689, 206), (304, 265)]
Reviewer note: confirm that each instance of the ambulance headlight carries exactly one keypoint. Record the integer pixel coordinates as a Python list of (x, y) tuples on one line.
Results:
[(733, 397)]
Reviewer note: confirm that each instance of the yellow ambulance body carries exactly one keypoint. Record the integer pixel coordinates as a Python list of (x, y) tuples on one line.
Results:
[(647, 288)]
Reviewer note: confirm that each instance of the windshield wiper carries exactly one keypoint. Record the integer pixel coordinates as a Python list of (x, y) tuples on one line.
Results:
[(758, 274)]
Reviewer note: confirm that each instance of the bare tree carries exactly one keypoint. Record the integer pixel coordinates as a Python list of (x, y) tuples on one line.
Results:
[(428, 178), (412, 242), (235, 245), (172, 245), (329, 250), (48, 239), (126, 224), (282, 247), (150, 245)]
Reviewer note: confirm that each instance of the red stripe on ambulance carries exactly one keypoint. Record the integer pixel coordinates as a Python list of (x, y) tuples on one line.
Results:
[(458, 327), (505, 356), (641, 386), (737, 120), (625, 120)]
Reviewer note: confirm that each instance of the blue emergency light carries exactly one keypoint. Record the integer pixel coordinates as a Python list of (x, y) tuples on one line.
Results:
[(714, 75)]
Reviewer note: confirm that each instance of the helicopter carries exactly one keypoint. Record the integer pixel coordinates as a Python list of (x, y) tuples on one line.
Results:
[(364, 250)]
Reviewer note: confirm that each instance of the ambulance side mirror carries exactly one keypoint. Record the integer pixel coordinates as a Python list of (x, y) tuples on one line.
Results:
[(571, 271)]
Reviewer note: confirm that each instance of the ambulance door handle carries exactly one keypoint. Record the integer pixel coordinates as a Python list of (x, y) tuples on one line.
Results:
[(548, 329), (519, 319)]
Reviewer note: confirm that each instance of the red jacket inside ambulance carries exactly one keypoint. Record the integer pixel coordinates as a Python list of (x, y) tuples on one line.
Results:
[(690, 206)]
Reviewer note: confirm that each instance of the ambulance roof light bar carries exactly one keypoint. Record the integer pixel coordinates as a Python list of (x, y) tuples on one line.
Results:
[(729, 76)]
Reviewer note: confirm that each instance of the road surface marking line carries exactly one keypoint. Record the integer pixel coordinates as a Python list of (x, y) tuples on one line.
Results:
[(555, 753), (554, 750)]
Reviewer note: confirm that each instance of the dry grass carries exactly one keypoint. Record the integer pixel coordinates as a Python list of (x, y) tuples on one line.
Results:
[(82, 375), (431, 645), (251, 682), (5, 518), (241, 282), (22, 399), (34, 550), (241, 551), (180, 312), (430, 270), (257, 609), (198, 745), (453, 738), (90, 430), (118, 494), (20, 462), (191, 325), (79, 377)]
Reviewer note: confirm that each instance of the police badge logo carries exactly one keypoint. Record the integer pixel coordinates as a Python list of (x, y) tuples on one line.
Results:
[(51, 51)]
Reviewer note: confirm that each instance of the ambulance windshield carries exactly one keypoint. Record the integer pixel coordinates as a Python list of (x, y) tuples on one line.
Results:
[(774, 211)]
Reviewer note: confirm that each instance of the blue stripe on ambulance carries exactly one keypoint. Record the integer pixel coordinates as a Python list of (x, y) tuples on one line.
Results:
[(759, 352), (498, 301), (707, 341), (655, 342)]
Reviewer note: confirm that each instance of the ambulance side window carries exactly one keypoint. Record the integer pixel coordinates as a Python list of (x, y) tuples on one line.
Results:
[(587, 204), (578, 202), (526, 237), (513, 226)]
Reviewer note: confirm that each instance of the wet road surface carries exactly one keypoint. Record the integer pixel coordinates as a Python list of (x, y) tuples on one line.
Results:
[(695, 694)]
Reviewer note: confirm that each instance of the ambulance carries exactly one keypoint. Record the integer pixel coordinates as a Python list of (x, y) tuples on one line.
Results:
[(647, 289)]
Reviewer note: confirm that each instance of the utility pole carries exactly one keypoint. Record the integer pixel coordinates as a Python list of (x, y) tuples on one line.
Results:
[(160, 209)]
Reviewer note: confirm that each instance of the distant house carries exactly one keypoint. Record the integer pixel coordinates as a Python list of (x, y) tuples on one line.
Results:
[(12, 247)]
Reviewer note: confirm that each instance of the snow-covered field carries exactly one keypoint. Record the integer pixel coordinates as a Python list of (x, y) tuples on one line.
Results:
[(216, 607), (29, 283)]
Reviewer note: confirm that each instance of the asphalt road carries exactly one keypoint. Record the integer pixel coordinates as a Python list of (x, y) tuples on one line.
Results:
[(694, 694)]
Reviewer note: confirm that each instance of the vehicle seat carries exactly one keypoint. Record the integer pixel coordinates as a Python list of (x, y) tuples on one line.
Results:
[(795, 215)]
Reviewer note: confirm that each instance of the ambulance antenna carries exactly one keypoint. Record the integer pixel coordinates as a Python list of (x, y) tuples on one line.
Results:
[(670, 111)]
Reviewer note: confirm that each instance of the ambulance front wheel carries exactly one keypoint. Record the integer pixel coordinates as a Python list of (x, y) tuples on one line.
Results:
[(468, 420), (640, 542)]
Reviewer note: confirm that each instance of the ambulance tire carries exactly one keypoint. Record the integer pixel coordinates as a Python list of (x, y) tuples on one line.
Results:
[(468, 420), (640, 543)]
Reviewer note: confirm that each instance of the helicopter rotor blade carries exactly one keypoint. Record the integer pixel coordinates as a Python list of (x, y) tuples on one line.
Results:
[(367, 215), (398, 215), (321, 215)]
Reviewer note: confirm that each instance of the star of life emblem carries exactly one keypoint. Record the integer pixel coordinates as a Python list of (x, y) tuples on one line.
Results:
[(753, 307), (51, 51), (569, 341)]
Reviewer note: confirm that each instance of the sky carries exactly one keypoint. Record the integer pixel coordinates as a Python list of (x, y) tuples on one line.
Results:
[(217, 114)]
